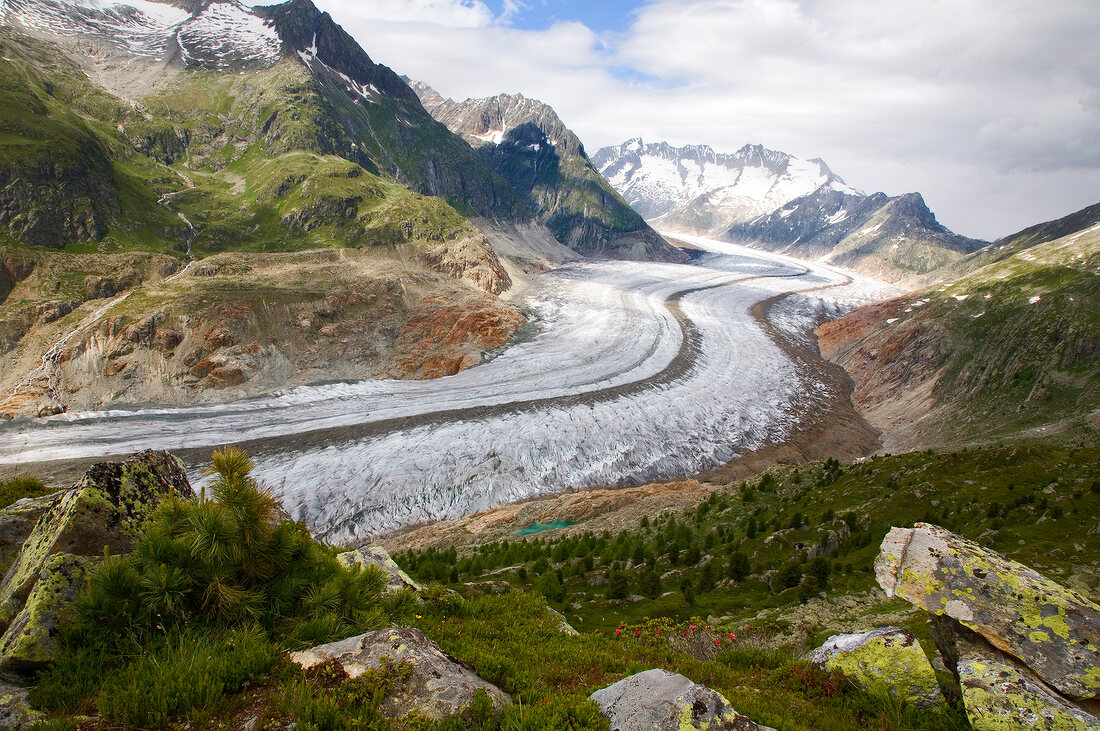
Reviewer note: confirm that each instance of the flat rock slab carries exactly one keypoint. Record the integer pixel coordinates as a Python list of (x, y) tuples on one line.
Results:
[(885, 660), (1055, 631), (437, 686), (380, 557), (659, 700)]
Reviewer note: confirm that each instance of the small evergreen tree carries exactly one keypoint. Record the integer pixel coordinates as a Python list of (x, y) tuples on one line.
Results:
[(649, 585), (739, 566), (617, 585)]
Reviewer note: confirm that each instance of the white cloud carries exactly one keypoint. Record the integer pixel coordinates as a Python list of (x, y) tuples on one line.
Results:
[(990, 108)]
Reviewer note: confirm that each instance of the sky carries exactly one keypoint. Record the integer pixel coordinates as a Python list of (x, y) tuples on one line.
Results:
[(989, 108)]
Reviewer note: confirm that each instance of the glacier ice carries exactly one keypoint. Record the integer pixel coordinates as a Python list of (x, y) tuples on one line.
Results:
[(602, 394)]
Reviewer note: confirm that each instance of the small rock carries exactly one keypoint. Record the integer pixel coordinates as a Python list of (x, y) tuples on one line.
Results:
[(563, 624), (378, 556), (436, 685), (15, 711), (659, 700), (885, 660)]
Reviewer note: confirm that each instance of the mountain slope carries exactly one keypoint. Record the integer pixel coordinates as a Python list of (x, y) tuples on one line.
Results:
[(211, 162), (693, 189), (525, 142), (893, 238), (1009, 349)]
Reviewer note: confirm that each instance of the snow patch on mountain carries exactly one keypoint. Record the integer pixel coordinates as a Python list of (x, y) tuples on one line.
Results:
[(221, 35)]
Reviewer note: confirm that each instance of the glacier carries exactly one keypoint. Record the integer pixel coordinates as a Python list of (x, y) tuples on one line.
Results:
[(635, 372)]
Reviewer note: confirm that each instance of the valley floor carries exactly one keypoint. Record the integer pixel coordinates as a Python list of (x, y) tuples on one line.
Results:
[(632, 372)]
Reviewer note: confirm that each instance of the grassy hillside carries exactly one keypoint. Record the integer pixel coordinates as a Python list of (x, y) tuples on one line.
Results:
[(1008, 350), (175, 658), (787, 551)]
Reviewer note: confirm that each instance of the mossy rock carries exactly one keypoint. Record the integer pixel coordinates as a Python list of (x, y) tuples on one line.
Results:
[(16, 523), (434, 685), (886, 660), (1053, 630), (15, 710), (101, 512), (378, 556), (29, 643)]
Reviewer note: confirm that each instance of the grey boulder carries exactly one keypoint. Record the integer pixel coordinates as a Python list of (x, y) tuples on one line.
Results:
[(435, 684), (659, 700)]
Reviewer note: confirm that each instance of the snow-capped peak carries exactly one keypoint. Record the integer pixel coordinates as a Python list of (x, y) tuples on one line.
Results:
[(662, 181)]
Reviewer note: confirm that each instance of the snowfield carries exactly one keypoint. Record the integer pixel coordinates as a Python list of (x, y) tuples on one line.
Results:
[(637, 371)]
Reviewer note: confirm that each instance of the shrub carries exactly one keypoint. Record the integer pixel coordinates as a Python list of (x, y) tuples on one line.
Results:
[(617, 585), (189, 672), (18, 488), (228, 562)]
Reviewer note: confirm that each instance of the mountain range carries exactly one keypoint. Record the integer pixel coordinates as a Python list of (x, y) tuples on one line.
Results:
[(775, 201)]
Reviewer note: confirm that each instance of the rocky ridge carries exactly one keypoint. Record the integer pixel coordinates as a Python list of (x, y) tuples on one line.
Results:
[(693, 189), (525, 142), (895, 238)]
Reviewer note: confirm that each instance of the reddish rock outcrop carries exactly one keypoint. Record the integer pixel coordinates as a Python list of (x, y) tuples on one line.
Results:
[(443, 336)]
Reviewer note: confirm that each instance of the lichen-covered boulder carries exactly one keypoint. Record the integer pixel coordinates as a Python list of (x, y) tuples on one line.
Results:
[(29, 641), (1000, 692), (16, 523), (105, 509), (378, 556), (435, 685), (661, 700), (885, 660), (1053, 630)]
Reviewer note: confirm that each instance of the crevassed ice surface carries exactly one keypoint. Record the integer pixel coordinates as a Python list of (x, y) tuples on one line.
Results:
[(602, 394)]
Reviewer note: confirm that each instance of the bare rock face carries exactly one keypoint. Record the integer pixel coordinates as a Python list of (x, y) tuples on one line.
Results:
[(380, 557), (1051, 629), (662, 700), (436, 685), (104, 510), (886, 660), (445, 336)]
